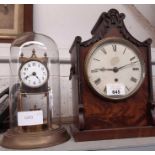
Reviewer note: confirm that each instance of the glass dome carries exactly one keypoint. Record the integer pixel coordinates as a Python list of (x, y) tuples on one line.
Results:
[(34, 87)]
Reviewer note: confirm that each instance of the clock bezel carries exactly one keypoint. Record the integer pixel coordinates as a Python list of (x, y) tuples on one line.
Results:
[(34, 59), (136, 51)]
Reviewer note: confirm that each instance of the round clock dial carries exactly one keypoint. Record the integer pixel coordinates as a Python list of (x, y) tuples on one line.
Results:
[(114, 68), (33, 74)]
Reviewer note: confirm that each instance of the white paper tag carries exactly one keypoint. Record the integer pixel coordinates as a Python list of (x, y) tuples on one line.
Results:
[(115, 89), (27, 118)]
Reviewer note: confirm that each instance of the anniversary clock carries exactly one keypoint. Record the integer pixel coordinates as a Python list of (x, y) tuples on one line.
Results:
[(112, 83), (34, 94)]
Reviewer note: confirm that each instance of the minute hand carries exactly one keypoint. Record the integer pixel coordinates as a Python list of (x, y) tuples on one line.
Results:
[(127, 65)]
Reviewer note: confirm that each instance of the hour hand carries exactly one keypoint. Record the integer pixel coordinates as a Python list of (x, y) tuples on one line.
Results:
[(106, 69), (37, 77), (102, 69)]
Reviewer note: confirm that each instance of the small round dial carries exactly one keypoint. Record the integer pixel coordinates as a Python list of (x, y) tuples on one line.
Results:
[(114, 61), (33, 74)]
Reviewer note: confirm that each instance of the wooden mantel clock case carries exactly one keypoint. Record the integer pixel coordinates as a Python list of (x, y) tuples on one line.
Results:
[(112, 83)]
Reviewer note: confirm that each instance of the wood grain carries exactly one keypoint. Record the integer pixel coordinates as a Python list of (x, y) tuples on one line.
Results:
[(130, 117)]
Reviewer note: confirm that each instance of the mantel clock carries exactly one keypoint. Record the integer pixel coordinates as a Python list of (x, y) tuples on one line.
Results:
[(112, 82)]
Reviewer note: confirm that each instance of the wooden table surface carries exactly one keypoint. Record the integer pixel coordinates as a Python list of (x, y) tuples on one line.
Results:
[(147, 143)]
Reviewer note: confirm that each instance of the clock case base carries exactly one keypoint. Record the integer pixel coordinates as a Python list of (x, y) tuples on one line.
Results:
[(102, 134), (15, 139)]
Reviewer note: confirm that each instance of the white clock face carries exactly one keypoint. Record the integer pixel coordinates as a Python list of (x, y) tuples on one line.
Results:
[(33, 74), (114, 68)]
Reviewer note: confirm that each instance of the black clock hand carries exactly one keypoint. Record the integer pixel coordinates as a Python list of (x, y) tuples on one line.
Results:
[(29, 76), (106, 69), (34, 74), (103, 69), (130, 64), (115, 69), (37, 77)]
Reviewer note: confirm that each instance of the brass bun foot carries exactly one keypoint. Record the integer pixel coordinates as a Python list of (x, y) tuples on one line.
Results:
[(29, 140)]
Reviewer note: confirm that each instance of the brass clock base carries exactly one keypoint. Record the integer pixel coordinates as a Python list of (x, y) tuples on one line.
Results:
[(28, 140)]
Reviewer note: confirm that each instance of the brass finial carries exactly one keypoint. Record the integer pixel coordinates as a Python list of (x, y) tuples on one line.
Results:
[(45, 54), (33, 53)]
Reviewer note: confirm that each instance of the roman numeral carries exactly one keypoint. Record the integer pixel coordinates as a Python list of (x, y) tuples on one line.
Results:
[(96, 59), (114, 47), (132, 58), (94, 70), (105, 89), (97, 81), (124, 51), (135, 69), (104, 51), (127, 88), (133, 79)]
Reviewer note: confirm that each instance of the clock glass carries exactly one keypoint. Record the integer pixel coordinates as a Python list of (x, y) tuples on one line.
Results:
[(114, 68), (34, 93), (33, 74)]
